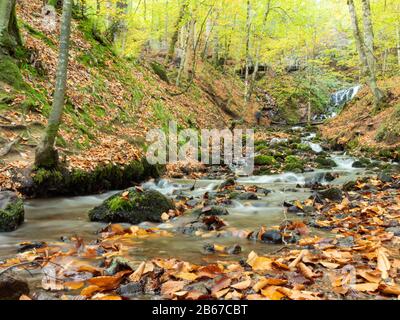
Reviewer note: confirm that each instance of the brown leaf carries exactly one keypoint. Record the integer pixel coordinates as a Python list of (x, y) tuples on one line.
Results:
[(220, 284), (242, 285), (170, 287)]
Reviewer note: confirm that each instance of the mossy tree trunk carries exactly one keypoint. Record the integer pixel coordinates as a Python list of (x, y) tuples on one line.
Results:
[(9, 32), (46, 154), (177, 29), (365, 47)]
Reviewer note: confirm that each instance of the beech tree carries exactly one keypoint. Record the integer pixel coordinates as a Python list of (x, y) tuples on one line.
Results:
[(46, 154), (9, 33), (365, 47)]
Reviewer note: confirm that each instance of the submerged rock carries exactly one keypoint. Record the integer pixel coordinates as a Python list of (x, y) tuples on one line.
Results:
[(272, 236), (132, 206), (11, 287), (11, 211)]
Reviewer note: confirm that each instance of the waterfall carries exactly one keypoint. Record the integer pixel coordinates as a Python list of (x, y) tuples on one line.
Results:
[(341, 97)]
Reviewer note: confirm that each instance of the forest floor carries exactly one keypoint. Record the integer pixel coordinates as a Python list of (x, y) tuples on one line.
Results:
[(112, 102)]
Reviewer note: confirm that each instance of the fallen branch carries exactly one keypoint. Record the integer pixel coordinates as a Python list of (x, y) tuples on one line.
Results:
[(8, 146), (13, 126)]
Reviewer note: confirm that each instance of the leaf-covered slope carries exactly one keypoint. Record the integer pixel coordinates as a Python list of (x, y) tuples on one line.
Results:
[(360, 128), (111, 101)]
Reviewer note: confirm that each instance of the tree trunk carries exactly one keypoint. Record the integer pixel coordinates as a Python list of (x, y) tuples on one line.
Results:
[(365, 48), (177, 28), (358, 38), (369, 49), (46, 155), (9, 32), (248, 30), (398, 43), (257, 64)]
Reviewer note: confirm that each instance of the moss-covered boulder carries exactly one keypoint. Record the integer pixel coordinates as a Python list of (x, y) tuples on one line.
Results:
[(293, 164), (11, 211), (263, 160), (325, 163), (132, 206)]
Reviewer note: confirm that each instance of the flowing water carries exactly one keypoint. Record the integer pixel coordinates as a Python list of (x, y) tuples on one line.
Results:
[(49, 219)]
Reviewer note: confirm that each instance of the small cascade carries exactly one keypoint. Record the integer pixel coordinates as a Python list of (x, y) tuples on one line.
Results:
[(344, 162), (288, 177)]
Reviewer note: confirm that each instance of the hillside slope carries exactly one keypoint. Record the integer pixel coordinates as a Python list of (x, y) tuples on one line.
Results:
[(111, 102), (359, 128)]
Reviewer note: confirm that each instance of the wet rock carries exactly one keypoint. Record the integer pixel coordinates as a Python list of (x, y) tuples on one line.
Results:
[(31, 245), (247, 196), (325, 163), (131, 289), (132, 206), (361, 163), (211, 211), (228, 183), (349, 186), (11, 211), (294, 209), (235, 249), (272, 236), (394, 230), (333, 194), (385, 177), (192, 203), (12, 287), (192, 227)]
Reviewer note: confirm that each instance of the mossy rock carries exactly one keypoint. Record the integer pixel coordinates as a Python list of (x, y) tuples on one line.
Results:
[(132, 206), (361, 163), (303, 147), (293, 164), (325, 163), (11, 211), (263, 160)]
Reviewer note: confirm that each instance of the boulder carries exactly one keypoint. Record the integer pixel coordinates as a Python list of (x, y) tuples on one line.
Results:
[(11, 211), (272, 236), (333, 194), (211, 211), (132, 206), (325, 163), (12, 287)]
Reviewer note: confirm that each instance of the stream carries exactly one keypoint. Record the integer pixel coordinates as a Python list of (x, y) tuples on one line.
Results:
[(49, 219)]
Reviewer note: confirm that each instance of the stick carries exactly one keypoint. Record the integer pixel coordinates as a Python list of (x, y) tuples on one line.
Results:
[(8, 147)]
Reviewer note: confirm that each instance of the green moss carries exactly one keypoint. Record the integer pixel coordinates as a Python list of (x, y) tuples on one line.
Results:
[(293, 163), (119, 203), (263, 160), (160, 70), (39, 35), (324, 163), (43, 175), (10, 73), (12, 216), (303, 147)]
